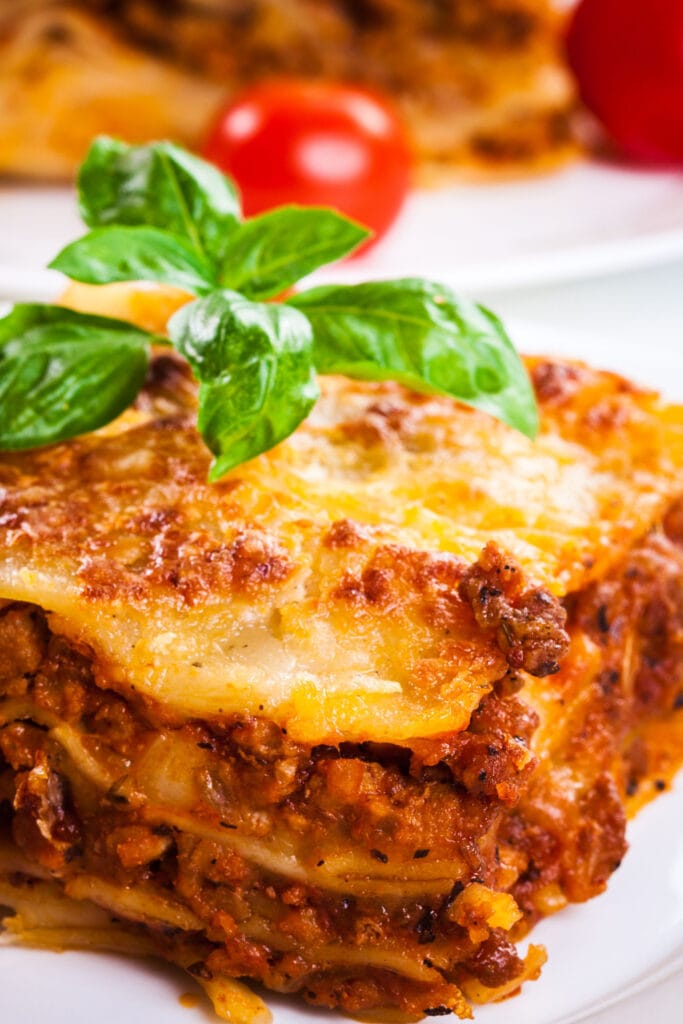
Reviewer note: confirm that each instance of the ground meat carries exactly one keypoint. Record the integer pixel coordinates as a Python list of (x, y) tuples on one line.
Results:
[(529, 623), (492, 757), (45, 823), (23, 636), (555, 383), (496, 962), (600, 841)]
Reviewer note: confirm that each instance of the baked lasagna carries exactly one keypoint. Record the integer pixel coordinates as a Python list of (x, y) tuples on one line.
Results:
[(481, 83), (353, 719)]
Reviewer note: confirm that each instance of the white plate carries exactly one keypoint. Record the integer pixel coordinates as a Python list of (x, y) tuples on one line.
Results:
[(599, 953), (585, 219)]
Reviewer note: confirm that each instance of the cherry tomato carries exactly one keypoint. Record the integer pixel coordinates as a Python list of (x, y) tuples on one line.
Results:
[(316, 144), (628, 58)]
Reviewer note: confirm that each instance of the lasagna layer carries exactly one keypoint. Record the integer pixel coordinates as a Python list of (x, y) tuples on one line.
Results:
[(364, 876), (479, 82), (351, 720)]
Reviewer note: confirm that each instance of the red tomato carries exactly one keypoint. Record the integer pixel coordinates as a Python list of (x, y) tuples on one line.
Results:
[(316, 144), (628, 58)]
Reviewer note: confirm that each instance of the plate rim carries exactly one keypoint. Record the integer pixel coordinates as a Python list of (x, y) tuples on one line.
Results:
[(567, 262)]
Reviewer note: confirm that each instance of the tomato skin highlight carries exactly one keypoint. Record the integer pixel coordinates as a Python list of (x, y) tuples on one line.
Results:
[(314, 144), (627, 56)]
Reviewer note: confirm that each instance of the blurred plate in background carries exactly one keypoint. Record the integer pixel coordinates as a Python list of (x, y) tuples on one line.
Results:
[(583, 220)]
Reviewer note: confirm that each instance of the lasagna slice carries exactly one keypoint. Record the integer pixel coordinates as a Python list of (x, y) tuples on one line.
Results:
[(481, 83), (351, 720)]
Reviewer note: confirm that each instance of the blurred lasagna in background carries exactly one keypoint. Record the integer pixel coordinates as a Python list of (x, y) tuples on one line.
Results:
[(480, 83)]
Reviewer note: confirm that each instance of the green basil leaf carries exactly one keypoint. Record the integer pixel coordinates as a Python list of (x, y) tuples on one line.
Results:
[(64, 373), (135, 254), (423, 335), (253, 362), (158, 185), (269, 253)]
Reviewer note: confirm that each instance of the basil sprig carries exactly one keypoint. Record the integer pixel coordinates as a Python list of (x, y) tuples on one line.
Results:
[(270, 253), (64, 373), (160, 186), (423, 335), (118, 253), (255, 370), (157, 213)]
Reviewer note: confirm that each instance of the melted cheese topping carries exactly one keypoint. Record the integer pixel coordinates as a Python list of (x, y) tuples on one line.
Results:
[(318, 585)]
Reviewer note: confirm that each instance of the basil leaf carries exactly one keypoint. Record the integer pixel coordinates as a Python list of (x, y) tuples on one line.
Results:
[(423, 335), (253, 362), (269, 253), (159, 185), (135, 254), (64, 373)]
